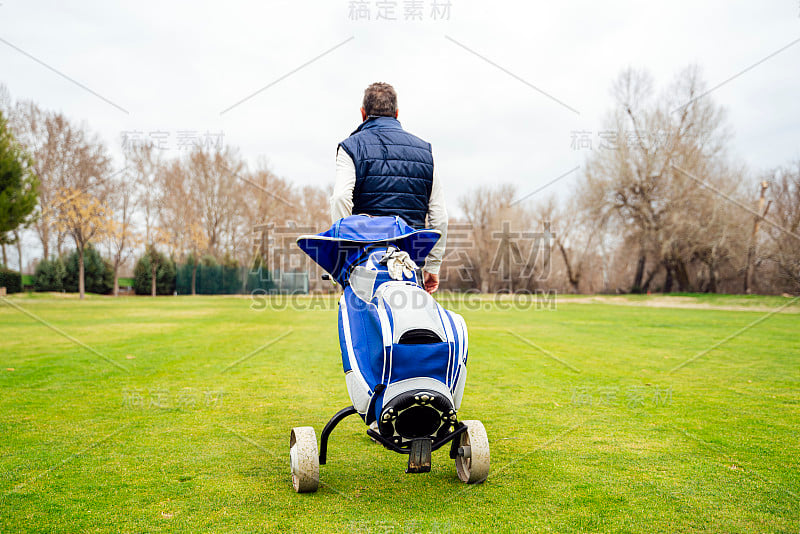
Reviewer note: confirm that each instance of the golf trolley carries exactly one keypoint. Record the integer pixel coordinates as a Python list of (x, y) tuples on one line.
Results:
[(404, 356)]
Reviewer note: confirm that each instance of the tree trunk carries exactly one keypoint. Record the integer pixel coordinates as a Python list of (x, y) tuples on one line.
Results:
[(668, 280), (484, 283), (19, 250), (574, 278), (244, 282), (751, 250), (194, 278), (650, 276), (747, 267), (44, 236), (116, 280), (153, 280), (712, 279), (81, 282), (682, 276), (637, 279)]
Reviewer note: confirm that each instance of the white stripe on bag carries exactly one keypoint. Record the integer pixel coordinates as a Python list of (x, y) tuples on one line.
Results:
[(348, 341)]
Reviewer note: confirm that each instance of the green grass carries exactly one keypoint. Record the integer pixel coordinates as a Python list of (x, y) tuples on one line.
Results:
[(618, 444), (125, 282)]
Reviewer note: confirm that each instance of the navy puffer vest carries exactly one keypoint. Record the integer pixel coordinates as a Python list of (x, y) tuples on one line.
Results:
[(394, 171)]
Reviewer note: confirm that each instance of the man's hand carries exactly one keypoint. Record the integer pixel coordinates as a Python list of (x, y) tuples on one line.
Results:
[(431, 281)]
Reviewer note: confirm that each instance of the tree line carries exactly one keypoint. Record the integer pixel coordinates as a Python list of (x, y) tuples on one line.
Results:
[(198, 208), (663, 207)]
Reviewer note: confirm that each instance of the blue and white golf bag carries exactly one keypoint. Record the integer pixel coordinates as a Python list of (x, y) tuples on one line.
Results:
[(404, 356)]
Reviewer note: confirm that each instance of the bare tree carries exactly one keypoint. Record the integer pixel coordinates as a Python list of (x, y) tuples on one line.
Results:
[(181, 216), (783, 244), (501, 252), (215, 182), (578, 227), (121, 236), (65, 156), (647, 178), (143, 160)]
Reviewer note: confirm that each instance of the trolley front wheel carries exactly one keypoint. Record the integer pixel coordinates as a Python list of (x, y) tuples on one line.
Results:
[(304, 459)]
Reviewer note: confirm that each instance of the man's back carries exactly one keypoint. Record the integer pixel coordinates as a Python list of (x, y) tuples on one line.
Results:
[(394, 171)]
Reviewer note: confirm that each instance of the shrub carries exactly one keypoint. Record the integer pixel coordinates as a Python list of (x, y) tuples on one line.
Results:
[(11, 280), (49, 275), (165, 274), (98, 275)]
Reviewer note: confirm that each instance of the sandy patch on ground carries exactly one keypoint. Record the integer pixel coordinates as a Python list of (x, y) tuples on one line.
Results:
[(677, 302)]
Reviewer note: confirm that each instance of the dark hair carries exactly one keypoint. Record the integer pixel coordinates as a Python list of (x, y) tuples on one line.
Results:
[(380, 99)]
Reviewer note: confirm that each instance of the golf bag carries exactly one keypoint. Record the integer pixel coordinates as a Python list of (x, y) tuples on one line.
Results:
[(404, 356)]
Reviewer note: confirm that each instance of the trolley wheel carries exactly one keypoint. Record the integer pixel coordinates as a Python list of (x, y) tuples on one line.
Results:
[(304, 459), (472, 462)]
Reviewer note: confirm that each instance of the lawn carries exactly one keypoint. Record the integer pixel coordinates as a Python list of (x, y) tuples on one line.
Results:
[(142, 415)]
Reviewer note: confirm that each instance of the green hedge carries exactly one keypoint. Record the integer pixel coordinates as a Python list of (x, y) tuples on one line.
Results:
[(11, 280), (61, 274), (222, 280), (49, 275), (165, 274), (98, 275)]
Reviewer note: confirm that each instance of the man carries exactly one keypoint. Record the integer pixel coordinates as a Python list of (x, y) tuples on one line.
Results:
[(383, 170)]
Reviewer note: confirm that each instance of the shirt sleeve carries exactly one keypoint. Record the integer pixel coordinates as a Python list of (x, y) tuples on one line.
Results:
[(437, 219), (342, 197)]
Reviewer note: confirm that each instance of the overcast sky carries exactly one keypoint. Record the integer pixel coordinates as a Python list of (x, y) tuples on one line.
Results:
[(174, 67)]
